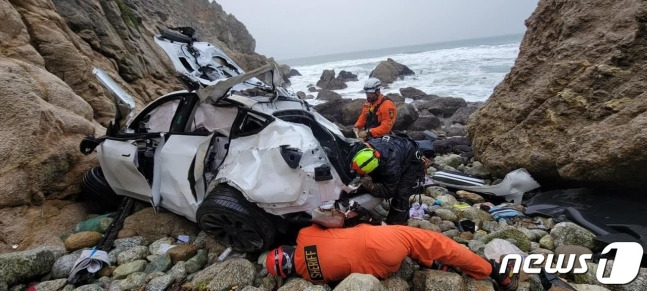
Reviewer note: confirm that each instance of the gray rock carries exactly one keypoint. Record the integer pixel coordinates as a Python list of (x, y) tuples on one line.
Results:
[(130, 242), (510, 234), (328, 95), (196, 263), (435, 191), (160, 283), (396, 284), (479, 285), (407, 115), (446, 214), (474, 213), (89, 287), (63, 266), (446, 201), (134, 281), (413, 93), (476, 246), (491, 226), (447, 225), (53, 285), (161, 263), (154, 248), (114, 254), (451, 160), (388, 71), (423, 224), (535, 283), (407, 268), (452, 233), (19, 266), (356, 281), (318, 288), (568, 233), (585, 287), (590, 276), (126, 269), (538, 234), (455, 130), (178, 271), (238, 272), (132, 254), (572, 250), (295, 284), (434, 280)]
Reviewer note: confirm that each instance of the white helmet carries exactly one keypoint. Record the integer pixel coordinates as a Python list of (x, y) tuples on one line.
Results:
[(372, 84)]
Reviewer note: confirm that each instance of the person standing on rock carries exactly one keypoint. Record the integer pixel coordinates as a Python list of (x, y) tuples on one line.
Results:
[(378, 114), (328, 255)]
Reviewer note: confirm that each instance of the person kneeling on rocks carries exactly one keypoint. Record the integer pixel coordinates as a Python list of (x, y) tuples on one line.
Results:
[(328, 255), (390, 167)]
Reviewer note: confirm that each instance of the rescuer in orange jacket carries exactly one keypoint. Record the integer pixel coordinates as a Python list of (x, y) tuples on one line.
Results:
[(378, 114), (326, 255)]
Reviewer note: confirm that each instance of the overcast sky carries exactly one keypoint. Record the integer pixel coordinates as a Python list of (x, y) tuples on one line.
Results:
[(287, 29)]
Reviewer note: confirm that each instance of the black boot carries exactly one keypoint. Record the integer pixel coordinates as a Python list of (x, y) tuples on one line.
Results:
[(506, 281)]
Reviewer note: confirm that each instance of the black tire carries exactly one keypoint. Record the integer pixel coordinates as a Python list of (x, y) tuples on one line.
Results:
[(233, 221), (97, 194)]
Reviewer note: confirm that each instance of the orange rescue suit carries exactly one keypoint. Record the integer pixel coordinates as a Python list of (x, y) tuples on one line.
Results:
[(333, 254), (386, 114)]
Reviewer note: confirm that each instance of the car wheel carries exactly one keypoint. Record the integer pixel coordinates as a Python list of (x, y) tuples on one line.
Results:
[(233, 221), (97, 194)]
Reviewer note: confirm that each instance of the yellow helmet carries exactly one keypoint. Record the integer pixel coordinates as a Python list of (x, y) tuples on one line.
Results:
[(365, 161)]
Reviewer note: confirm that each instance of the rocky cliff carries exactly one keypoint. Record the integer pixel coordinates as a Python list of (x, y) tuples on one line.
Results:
[(574, 106), (50, 98)]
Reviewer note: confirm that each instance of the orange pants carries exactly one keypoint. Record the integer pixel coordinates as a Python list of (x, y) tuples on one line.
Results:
[(324, 255)]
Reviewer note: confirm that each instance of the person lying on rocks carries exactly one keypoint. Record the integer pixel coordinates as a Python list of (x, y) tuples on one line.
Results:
[(328, 255)]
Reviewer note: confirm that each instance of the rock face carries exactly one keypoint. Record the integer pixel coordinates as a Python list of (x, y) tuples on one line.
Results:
[(574, 106), (388, 71), (51, 99)]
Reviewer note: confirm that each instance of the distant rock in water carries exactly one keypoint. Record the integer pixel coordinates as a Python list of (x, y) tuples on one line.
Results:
[(329, 82), (388, 71), (413, 93), (347, 76), (574, 107)]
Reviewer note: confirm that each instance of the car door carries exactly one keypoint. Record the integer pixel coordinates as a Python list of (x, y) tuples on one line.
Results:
[(128, 157)]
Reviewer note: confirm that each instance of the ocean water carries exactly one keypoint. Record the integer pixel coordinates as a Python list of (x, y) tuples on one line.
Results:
[(469, 69)]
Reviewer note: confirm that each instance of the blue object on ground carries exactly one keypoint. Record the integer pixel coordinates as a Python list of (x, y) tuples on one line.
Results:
[(505, 212)]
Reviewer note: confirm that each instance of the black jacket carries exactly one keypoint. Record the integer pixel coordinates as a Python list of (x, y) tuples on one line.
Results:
[(397, 154)]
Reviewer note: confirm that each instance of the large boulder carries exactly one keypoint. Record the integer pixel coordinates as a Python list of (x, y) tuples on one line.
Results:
[(442, 107), (388, 71), (327, 95), (413, 93), (32, 264), (406, 115), (347, 76), (329, 82), (574, 106), (462, 115), (333, 111)]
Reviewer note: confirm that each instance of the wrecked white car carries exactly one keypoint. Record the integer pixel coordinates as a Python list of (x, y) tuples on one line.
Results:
[(239, 156)]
